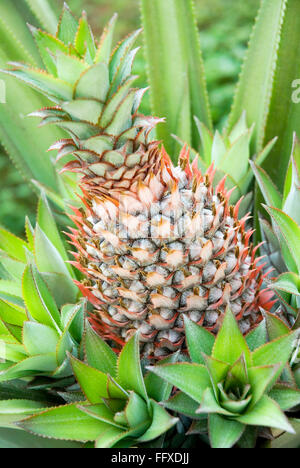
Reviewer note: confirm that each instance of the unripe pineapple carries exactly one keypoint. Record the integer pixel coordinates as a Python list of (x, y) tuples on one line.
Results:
[(154, 242)]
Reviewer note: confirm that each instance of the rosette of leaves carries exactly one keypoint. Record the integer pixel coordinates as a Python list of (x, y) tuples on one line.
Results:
[(282, 234), (119, 408), (230, 154), (40, 318), (231, 382)]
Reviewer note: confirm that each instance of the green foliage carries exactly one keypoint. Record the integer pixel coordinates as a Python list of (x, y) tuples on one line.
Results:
[(14, 126), (265, 88), (37, 325), (224, 30), (117, 409), (175, 69), (283, 234), (230, 155), (276, 329), (233, 386)]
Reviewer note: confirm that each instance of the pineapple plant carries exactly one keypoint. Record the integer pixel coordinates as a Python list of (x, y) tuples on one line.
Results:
[(236, 383), (166, 272), (154, 242)]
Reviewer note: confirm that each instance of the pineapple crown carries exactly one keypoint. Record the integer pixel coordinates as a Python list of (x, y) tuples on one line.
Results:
[(91, 86)]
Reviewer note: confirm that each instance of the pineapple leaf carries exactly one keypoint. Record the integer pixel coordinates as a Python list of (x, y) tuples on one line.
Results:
[(12, 313), (16, 40), (175, 70), (61, 287), (100, 412), (114, 435), (58, 423), (111, 109), (275, 327), (236, 160), (267, 413), (10, 287), (285, 397), (47, 223), (210, 405), (105, 43), (224, 433), (67, 26), (39, 338), (53, 88), (93, 83), (84, 109), (124, 71), (230, 343), (123, 119), (257, 337), (13, 245), (94, 384), (206, 140), (276, 352), (161, 423), (199, 341), (129, 368), (259, 379), (11, 438), (287, 282), (38, 300), (98, 353), (217, 371), (256, 80), (65, 343), (84, 38), (119, 55), (136, 411), (181, 403), (31, 160), (289, 235), (292, 176), (48, 258), (69, 68), (29, 231), (291, 196), (157, 388), (283, 101), (30, 367), (12, 411), (48, 46), (192, 379), (268, 189), (44, 13)]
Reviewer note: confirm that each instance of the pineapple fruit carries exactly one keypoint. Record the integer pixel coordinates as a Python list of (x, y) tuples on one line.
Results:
[(155, 242)]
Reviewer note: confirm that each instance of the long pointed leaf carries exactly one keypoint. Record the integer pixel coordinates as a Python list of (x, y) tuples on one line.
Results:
[(285, 96), (255, 85), (176, 75), (44, 13)]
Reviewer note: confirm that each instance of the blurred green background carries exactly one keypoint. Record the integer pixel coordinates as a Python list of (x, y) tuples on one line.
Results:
[(225, 27)]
